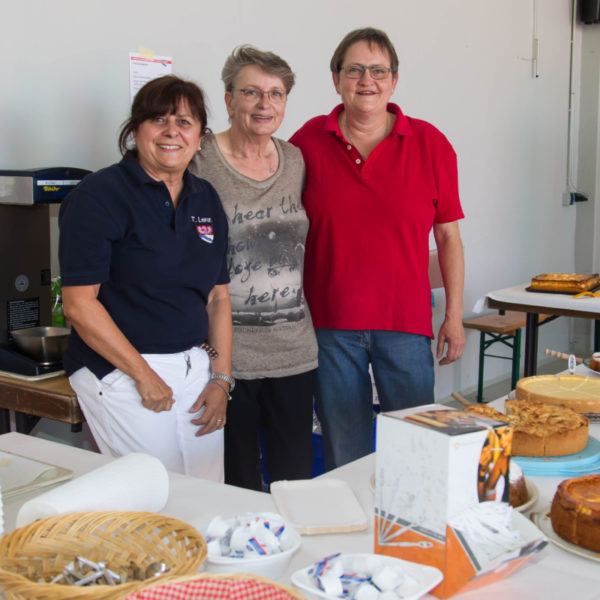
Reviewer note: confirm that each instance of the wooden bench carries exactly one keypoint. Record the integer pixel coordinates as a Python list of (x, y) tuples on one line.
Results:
[(505, 329), (31, 400)]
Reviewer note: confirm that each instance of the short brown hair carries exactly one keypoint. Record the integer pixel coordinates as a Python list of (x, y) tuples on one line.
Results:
[(269, 62), (161, 96), (366, 34)]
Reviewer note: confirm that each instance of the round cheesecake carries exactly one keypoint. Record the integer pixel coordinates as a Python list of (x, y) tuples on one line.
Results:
[(578, 392), (575, 511)]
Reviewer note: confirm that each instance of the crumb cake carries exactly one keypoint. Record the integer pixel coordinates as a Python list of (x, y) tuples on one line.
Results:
[(575, 511), (540, 429), (578, 392), (565, 282)]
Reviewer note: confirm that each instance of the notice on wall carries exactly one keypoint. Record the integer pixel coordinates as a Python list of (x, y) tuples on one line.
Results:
[(145, 66)]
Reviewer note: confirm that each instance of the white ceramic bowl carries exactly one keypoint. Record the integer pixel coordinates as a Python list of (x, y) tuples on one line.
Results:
[(422, 577), (271, 566)]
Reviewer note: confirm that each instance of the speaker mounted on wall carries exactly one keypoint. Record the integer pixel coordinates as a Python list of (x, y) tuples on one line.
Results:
[(590, 11)]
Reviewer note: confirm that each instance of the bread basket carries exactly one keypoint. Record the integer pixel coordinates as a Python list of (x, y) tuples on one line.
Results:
[(42, 549), (209, 586)]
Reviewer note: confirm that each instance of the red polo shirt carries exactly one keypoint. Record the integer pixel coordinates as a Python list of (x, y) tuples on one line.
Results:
[(367, 250)]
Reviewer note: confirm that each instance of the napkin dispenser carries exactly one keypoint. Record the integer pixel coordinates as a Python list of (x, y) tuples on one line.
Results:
[(441, 474)]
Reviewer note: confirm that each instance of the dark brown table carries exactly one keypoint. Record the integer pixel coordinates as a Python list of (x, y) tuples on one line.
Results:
[(51, 398)]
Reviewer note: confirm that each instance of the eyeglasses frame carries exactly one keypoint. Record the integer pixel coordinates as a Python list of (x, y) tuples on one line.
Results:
[(366, 68), (263, 93)]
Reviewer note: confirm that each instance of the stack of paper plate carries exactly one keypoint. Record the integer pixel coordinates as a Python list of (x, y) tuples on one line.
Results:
[(585, 462)]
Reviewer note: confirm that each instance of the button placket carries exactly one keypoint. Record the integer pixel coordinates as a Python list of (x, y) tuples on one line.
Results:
[(354, 153)]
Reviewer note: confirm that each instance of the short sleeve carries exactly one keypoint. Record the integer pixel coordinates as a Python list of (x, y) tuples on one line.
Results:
[(87, 231), (448, 207)]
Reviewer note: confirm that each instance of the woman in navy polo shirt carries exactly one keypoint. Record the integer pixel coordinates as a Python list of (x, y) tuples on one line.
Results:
[(142, 254)]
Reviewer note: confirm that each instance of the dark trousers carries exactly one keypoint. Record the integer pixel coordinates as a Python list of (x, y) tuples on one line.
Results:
[(282, 408)]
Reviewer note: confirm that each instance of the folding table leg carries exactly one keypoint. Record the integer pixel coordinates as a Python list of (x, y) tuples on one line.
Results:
[(4, 420), (531, 334), (481, 361), (24, 422), (516, 361)]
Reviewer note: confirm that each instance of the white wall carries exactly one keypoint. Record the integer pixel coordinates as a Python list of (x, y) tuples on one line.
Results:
[(464, 66)]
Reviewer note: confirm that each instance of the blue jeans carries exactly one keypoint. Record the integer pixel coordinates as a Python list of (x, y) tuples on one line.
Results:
[(402, 366)]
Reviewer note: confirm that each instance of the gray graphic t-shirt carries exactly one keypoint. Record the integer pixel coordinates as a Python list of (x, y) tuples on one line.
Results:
[(273, 334)]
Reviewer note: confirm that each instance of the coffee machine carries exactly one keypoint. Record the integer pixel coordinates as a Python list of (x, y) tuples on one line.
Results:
[(29, 203)]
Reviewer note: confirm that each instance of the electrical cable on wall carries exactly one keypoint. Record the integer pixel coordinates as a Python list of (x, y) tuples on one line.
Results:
[(535, 52), (571, 195)]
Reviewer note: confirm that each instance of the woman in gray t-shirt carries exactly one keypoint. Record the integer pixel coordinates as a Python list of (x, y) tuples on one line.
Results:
[(259, 179)]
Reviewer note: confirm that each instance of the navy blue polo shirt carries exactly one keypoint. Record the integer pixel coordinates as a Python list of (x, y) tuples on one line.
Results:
[(156, 265)]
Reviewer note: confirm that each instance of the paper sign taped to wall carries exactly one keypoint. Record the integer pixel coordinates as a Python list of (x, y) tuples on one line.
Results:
[(144, 66)]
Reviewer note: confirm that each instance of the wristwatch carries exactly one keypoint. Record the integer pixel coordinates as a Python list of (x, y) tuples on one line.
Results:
[(225, 378)]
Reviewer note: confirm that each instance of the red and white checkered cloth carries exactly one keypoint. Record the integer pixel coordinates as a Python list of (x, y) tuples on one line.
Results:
[(213, 589)]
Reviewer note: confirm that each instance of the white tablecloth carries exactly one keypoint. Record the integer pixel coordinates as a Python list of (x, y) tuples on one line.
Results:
[(519, 295), (554, 574)]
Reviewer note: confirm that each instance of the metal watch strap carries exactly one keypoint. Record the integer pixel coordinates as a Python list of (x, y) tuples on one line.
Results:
[(226, 378)]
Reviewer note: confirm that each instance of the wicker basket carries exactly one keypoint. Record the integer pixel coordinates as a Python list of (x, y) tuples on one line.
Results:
[(42, 549), (211, 586)]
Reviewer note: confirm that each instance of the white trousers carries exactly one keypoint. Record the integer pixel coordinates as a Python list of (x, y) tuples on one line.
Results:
[(120, 424)]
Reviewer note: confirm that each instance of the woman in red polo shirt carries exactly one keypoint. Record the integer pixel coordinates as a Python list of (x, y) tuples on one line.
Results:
[(377, 183)]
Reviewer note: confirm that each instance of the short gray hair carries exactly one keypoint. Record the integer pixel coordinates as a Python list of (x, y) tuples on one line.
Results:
[(269, 62), (374, 37)]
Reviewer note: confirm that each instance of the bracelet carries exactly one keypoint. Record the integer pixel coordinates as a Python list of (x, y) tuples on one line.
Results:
[(226, 378), (222, 387), (212, 353)]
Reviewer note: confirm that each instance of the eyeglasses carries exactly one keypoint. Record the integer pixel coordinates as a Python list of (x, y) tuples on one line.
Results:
[(356, 71), (253, 94)]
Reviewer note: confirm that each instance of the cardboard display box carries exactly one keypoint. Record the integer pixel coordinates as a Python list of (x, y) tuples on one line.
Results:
[(442, 484)]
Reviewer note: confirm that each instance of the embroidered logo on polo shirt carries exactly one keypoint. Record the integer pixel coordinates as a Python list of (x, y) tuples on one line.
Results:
[(205, 233), (204, 228)]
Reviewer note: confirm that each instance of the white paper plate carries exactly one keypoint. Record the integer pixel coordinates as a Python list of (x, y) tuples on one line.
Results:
[(19, 474), (542, 520), (424, 577), (532, 496), (314, 506)]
